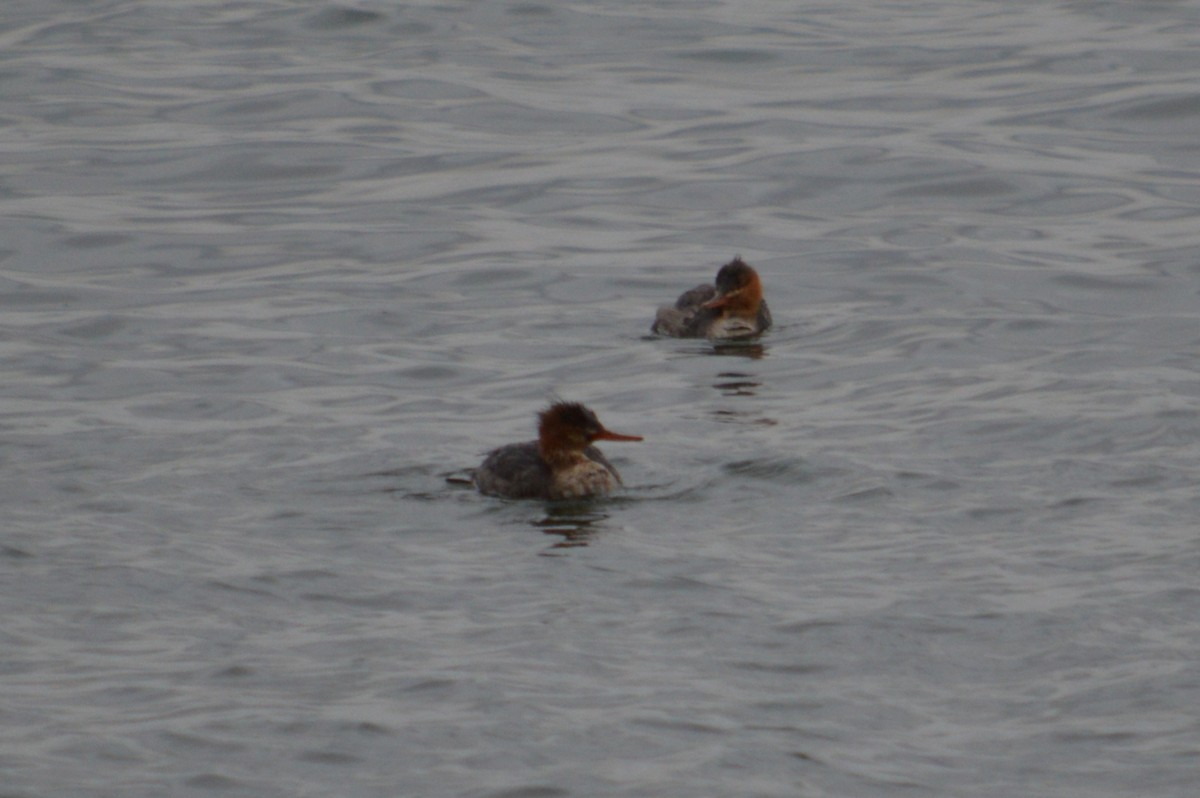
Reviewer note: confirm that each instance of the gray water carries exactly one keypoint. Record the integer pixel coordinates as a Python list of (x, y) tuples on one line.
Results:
[(271, 270)]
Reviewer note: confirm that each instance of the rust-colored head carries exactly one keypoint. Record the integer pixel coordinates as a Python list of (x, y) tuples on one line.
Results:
[(571, 427), (739, 291)]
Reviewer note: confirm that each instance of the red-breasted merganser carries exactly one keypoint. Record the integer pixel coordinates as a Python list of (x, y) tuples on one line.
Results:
[(560, 464), (733, 308)]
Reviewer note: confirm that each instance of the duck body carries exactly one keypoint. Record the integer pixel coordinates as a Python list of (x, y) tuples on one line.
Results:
[(518, 471), (733, 307), (560, 464)]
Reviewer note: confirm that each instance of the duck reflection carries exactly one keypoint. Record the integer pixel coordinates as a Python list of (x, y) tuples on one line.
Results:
[(746, 349), (737, 417), (736, 383), (575, 523)]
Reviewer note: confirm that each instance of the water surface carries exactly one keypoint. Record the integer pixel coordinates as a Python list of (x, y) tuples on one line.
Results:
[(270, 271)]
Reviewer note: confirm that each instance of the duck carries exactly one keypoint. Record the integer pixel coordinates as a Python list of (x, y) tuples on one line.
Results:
[(561, 464), (733, 307)]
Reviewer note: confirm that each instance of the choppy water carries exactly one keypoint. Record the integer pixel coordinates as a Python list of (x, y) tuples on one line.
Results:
[(269, 270)]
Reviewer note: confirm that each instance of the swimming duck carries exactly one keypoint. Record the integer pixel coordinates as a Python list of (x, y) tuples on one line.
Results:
[(732, 308), (560, 464)]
